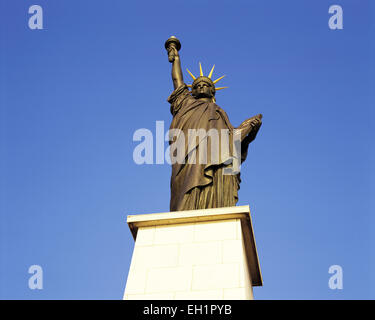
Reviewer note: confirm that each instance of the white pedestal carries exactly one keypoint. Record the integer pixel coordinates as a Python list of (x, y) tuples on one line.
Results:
[(198, 254)]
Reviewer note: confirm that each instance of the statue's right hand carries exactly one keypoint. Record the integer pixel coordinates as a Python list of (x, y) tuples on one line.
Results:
[(172, 53)]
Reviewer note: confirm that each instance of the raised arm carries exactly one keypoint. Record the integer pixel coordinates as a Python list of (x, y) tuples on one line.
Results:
[(173, 45)]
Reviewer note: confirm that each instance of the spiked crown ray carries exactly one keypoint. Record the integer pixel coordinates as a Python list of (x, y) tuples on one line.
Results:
[(204, 78)]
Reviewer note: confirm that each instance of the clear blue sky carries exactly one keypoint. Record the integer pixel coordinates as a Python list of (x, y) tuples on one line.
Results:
[(73, 94)]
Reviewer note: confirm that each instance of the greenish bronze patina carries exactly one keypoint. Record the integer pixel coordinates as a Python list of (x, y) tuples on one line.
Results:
[(202, 185)]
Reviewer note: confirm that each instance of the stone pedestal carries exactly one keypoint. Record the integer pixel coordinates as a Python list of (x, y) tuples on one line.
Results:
[(198, 254)]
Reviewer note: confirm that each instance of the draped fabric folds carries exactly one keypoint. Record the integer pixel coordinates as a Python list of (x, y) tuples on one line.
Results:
[(201, 185)]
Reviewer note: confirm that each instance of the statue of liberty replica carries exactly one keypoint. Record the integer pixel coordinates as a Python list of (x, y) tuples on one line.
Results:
[(204, 184)]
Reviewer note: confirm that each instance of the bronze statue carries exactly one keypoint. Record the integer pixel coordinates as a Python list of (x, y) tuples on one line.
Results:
[(202, 185)]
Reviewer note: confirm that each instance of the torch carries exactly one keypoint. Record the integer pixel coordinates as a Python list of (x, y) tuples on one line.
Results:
[(172, 42)]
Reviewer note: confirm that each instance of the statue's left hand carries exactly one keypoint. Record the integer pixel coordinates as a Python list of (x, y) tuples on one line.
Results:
[(255, 122), (250, 125), (251, 122)]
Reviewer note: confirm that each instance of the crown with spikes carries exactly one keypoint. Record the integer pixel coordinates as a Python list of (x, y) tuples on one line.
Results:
[(204, 78)]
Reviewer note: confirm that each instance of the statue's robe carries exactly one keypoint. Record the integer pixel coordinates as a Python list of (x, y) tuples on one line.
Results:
[(201, 185)]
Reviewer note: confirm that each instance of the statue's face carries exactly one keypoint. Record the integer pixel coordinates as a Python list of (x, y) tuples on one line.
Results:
[(202, 89)]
